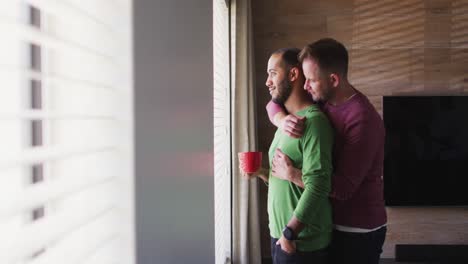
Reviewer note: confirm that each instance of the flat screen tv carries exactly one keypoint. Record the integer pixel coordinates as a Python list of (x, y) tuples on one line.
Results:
[(426, 150)]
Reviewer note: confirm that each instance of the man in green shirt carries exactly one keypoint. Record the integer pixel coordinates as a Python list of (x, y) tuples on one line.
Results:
[(300, 219)]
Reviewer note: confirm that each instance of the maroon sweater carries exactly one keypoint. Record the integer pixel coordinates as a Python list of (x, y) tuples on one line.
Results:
[(357, 184)]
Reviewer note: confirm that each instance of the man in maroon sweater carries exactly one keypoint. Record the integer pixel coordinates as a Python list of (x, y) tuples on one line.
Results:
[(359, 215)]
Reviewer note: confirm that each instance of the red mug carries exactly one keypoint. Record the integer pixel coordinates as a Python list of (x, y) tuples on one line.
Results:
[(250, 161)]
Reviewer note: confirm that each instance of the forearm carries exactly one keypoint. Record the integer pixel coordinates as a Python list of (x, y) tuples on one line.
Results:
[(263, 174), (278, 118), (297, 178), (275, 113), (295, 225), (311, 201)]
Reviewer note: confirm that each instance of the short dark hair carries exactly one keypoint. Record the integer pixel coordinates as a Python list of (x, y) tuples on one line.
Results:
[(329, 54), (289, 56)]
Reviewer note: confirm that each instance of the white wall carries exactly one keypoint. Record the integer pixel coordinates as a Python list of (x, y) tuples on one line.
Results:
[(174, 131)]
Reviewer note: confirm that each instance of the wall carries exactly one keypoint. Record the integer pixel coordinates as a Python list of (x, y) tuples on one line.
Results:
[(397, 47), (174, 131)]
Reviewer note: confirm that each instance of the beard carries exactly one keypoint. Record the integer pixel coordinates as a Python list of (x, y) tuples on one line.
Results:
[(326, 95), (323, 95), (284, 91)]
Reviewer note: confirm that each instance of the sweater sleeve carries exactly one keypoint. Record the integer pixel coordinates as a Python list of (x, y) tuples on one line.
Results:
[(272, 109), (317, 144)]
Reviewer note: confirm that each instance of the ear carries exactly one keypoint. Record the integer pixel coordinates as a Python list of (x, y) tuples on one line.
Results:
[(293, 74), (334, 79)]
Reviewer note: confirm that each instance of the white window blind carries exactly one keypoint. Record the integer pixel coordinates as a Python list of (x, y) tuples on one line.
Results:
[(66, 137), (222, 131)]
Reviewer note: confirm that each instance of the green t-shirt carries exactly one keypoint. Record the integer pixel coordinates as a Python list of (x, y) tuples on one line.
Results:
[(313, 154)]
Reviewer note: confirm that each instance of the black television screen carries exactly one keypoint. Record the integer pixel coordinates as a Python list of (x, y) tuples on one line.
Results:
[(426, 150)]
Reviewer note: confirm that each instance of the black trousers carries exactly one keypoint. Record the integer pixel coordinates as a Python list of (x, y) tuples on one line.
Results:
[(280, 257), (357, 248)]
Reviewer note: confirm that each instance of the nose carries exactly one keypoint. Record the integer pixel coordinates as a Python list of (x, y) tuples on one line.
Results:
[(306, 85), (268, 82)]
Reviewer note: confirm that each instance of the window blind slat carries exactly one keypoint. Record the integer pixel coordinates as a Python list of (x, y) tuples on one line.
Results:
[(14, 72), (34, 236), (98, 12), (35, 114), (108, 253), (83, 243), (32, 35), (35, 195), (43, 154), (66, 10)]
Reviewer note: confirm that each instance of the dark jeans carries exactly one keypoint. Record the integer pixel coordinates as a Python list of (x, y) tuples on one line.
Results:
[(280, 257), (357, 248)]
